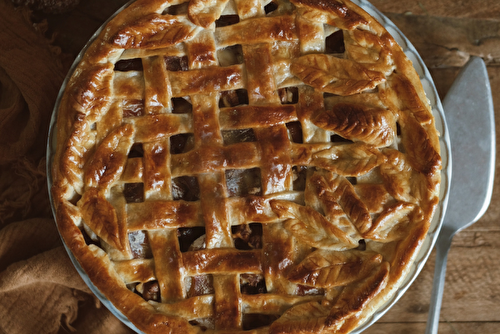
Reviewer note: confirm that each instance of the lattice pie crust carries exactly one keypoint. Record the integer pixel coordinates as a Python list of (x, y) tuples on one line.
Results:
[(256, 166)]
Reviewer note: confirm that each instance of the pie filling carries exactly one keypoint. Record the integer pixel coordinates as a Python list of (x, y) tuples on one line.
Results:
[(232, 166)]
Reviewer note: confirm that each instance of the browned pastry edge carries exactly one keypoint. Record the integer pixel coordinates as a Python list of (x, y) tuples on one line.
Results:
[(72, 123)]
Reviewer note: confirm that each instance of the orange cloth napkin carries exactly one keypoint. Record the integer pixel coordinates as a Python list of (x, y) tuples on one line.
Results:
[(40, 290)]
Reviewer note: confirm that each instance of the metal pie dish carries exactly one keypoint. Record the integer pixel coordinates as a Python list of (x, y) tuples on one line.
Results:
[(445, 151)]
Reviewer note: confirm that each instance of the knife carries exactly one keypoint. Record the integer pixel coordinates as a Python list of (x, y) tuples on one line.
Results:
[(469, 113)]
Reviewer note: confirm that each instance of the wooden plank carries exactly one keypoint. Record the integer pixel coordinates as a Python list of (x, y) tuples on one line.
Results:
[(445, 42), (444, 328), (481, 9), (444, 78)]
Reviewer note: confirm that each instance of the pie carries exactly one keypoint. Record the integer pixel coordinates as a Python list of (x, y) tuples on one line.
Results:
[(245, 166)]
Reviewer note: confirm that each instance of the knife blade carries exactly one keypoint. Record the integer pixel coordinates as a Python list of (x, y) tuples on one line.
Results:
[(469, 112)]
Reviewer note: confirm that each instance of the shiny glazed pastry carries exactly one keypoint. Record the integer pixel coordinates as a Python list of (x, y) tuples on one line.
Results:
[(245, 166)]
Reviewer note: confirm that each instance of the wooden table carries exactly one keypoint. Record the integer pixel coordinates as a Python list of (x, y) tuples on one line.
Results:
[(446, 33)]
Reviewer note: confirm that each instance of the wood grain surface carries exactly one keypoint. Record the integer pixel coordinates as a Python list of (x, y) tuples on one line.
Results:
[(446, 33)]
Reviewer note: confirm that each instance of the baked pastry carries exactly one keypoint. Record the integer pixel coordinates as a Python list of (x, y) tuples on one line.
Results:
[(245, 166)]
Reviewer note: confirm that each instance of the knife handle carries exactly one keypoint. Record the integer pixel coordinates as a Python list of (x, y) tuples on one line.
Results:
[(442, 247)]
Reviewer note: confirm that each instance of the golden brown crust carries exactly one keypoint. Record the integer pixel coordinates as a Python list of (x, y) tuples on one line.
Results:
[(329, 269), (245, 166), (359, 123), (336, 12), (334, 75)]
